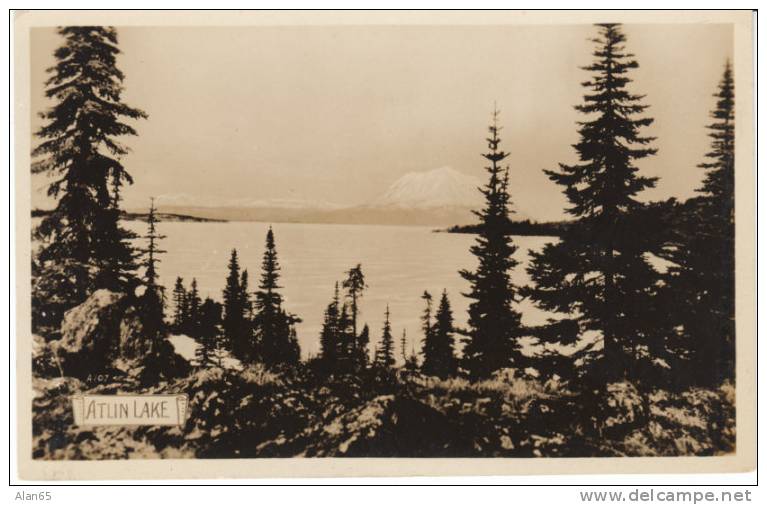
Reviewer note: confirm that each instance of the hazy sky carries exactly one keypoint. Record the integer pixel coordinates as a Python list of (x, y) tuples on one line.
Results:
[(338, 113)]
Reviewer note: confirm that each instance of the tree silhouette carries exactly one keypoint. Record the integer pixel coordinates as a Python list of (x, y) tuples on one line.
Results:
[(702, 282), (362, 347), (234, 324), (273, 326), (152, 301), (354, 285), (82, 241), (385, 352), (598, 275), (438, 349), (329, 337), (193, 306), (179, 305), (491, 339), (149, 254)]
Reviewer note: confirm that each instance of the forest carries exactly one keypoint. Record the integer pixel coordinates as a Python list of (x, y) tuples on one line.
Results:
[(634, 360)]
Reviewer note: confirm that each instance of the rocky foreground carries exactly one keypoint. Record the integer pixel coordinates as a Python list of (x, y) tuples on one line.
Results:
[(254, 412)]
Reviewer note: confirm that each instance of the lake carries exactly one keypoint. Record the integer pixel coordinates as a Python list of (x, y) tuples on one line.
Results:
[(399, 263)]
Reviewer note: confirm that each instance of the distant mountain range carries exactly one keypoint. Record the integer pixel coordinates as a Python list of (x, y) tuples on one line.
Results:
[(439, 197), (144, 216)]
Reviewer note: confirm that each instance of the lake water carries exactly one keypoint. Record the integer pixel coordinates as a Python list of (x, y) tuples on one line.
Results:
[(399, 263)]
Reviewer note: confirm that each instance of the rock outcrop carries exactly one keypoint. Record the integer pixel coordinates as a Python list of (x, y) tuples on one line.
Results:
[(105, 335)]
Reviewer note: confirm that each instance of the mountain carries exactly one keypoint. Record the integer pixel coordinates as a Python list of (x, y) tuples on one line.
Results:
[(440, 197), (441, 187)]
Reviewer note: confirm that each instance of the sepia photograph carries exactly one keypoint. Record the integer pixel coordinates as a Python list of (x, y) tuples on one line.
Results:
[(459, 240)]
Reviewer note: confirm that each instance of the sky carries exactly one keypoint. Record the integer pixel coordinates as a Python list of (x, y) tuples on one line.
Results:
[(338, 113)]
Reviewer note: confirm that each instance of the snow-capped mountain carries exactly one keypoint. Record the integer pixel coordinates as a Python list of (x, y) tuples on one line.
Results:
[(441, 187)]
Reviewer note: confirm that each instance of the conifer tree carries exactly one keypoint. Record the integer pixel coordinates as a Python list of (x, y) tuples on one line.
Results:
[(385, 352), (426, 317), (403, 345), (701, 281), (179, 304), (597, 275), (116, 272), (272, 325), (493, 330), (193, 306), (234, 324), (362, 347), (354, 285), (438, 353), (329, 337), (149, 260), (247, 303), (153, 298), (81, 238)]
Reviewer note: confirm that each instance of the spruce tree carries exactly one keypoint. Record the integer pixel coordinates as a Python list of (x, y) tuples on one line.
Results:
[(193, 306), (362, 347), (329, 337), (494, 325), (438, 353), (702, 282), (426, 325), (179, 304), (272, 325), (234, 325), (81, 239), (149, 254), (597, 275), (385, 352), (403, 345), (152, 301), (354, 285), (247, 303)]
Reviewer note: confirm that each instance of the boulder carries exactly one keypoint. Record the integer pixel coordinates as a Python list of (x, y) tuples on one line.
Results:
[(105, 335), (89, 334)]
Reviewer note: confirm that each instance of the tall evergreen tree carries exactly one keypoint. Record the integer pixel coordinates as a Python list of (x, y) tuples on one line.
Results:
[(329, 337), (193, 306), (247, 303), (597, 275), (354, 285), (347, 340), (491, 341), (403, 345), (272, 324), (702, 280), (81, 238), (153, 298), (438, 353), (149, 254), (426, 325), (385, 352), (179, 304), (234, 323)]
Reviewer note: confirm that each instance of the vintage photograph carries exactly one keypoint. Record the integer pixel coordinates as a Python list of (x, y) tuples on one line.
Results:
[(383, 240)]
